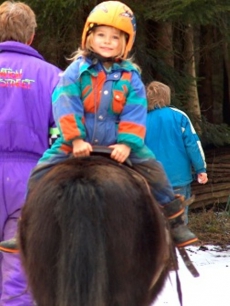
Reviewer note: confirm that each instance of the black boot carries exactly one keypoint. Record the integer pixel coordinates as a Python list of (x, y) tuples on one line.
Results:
[(181, 234), (9, 246)]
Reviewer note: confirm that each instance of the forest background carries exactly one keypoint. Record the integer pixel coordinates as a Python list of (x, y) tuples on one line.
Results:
[(183, 43)]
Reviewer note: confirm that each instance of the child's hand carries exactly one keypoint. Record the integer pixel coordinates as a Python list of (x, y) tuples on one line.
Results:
[(120, 152), (202, 178), (81, 148)]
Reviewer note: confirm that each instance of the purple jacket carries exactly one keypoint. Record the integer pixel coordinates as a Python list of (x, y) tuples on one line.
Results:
[(26, 85)]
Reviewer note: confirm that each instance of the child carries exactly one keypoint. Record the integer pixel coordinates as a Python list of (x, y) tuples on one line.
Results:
[(26, 85), (100, 100), (172, 137)]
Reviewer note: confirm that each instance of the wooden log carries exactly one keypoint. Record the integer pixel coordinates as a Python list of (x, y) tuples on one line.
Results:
[(218, 179), (216, 195), (218, 157), (210, 188), (217, 190), (210, 201), (218, 166), (217, 170)]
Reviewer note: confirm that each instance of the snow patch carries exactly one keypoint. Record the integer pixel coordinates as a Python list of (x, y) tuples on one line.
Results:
[(211, 288)]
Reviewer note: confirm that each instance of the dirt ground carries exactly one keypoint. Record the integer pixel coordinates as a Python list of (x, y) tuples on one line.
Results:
[(212, 227)]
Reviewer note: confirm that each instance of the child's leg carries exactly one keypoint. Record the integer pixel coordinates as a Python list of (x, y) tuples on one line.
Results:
[(156, 177), (173, 207), (186, 192)]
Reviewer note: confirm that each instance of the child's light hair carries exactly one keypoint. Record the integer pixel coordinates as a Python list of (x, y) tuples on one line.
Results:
[(17, 22), (158, 95), (88, 49)]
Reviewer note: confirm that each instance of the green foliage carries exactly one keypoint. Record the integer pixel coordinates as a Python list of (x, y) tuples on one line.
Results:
[(153, 64), (215, 134), (191, 11), (60, 25)]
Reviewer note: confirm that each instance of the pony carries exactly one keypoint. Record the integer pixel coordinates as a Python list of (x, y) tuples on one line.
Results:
[(91, 234)]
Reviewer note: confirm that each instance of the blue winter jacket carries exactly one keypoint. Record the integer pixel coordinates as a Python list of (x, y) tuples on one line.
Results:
[(173, 139), (102, 107)]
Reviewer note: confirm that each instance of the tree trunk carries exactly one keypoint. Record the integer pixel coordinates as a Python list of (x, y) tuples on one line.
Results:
[(226, 102), (206, 73), (165, 42), (190, 69), (164, 46)]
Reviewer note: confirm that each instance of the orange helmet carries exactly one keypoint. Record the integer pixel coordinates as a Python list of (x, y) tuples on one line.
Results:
[(115, 14)]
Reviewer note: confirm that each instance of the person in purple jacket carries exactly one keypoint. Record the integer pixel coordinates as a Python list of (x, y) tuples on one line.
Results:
[(26, 85)]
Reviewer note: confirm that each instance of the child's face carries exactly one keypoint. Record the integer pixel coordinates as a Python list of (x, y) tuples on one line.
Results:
[(107, 41)]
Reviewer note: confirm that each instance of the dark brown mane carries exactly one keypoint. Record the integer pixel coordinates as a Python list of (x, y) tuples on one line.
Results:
[(92, 235)]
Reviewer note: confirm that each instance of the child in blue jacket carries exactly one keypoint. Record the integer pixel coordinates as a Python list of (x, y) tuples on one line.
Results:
[(174, 141), (100, 100)]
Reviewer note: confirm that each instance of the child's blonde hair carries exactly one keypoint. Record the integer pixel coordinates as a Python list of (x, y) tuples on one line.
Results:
[(158, 95), (17, 22)]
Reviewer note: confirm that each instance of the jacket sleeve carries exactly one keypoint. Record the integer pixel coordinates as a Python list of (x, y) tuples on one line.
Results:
[(193, 145), (132, 125), (67, 105)]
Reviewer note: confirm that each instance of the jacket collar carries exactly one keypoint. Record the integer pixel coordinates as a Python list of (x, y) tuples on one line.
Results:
[(17, 47), (95, 64)]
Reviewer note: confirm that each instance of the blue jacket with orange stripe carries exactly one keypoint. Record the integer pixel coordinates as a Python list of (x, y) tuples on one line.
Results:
[(102, 107)]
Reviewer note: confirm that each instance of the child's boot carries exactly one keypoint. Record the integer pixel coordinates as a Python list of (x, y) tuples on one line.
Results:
[(9, 246), (181, 234)]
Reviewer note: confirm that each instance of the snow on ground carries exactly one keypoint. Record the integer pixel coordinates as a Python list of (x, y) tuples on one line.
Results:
[(211, 288)]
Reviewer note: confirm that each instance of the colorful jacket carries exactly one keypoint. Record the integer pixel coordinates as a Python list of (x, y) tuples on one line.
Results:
[(173, 139), (102, 107), (26, 85)]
